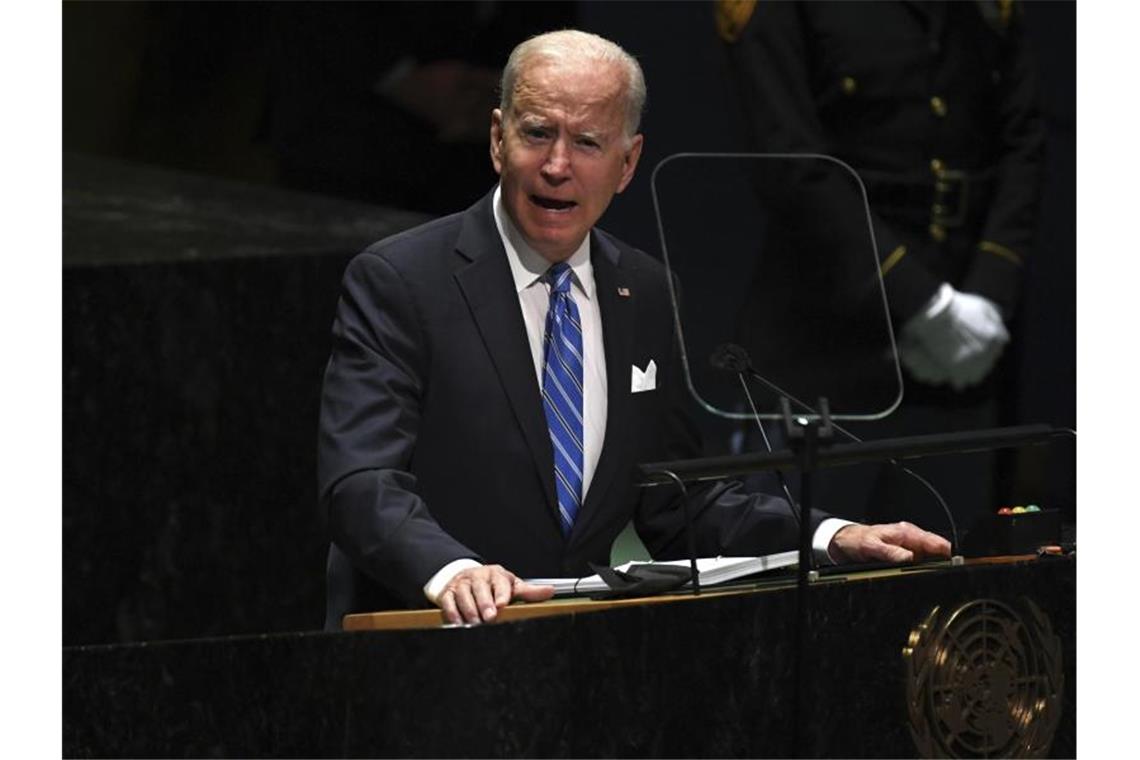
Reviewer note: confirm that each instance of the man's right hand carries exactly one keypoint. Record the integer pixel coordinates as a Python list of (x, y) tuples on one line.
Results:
[(475, 595)]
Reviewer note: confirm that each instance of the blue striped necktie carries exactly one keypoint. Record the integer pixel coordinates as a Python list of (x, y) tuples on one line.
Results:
[(562, 392)]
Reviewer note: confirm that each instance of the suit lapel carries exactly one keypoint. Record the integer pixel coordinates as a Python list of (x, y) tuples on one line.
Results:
[(488, 288), (616, 290)]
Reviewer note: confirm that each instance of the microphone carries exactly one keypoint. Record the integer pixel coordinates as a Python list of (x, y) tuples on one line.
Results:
[(733, 358)]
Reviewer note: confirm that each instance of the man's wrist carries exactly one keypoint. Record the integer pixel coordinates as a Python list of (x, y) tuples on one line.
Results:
[(438, 582), (821, 541)]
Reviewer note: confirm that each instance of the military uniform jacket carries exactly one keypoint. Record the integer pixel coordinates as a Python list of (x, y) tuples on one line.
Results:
[(933, 104)]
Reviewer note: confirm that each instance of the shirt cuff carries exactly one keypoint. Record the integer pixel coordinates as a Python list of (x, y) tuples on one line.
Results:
[(435, 585), (821, 540)]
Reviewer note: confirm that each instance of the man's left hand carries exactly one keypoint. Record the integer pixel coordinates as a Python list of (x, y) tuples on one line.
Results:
[(894, 542)]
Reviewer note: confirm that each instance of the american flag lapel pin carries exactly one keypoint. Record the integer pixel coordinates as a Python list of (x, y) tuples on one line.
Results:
[(623, 292)]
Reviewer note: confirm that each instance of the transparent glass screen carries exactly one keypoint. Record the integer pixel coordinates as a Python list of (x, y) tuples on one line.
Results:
[(776, 254)]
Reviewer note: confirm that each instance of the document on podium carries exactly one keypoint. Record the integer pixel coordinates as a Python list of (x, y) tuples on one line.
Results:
[(712, 571)]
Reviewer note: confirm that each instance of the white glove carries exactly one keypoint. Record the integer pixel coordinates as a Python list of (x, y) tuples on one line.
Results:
[(956, 338), (920, 363)]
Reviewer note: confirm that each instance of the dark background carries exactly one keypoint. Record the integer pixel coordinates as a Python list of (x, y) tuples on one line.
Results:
[(222, 161)]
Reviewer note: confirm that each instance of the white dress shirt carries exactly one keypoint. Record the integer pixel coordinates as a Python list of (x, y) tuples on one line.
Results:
[(528, 268)]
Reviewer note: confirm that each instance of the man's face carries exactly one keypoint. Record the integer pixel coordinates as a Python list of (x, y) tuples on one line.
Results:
[(561, 154)]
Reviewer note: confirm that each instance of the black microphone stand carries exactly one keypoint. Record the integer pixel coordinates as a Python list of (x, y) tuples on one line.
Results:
[(805, 436)]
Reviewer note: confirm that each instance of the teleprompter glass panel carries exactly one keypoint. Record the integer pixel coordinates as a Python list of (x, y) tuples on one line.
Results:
[(776, 254)]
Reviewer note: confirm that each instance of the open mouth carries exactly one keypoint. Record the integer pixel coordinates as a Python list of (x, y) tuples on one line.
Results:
[(552, 204)]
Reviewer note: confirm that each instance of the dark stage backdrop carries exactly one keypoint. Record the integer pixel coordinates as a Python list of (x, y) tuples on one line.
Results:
[(223, 161)]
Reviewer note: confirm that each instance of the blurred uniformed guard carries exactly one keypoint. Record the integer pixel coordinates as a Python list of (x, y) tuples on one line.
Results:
[(934, 105)]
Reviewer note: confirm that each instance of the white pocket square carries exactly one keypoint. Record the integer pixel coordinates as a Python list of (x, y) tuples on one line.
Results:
[(644, 380)]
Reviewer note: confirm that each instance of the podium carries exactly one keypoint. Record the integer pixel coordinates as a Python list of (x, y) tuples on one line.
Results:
[(972, 660)]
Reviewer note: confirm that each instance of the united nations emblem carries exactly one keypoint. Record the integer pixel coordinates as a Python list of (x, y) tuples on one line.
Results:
[(984, 681)]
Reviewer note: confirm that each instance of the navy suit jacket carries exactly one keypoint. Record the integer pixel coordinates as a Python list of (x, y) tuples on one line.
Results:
[(433, 445)]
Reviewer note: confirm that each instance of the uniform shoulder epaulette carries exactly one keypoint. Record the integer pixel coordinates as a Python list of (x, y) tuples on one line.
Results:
[(999, 14), (732, 16)]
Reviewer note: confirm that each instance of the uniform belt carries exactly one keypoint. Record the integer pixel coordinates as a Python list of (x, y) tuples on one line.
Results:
[(949, 199)]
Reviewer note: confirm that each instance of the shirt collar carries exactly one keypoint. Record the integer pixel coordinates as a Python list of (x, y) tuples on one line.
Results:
[(527, 265)]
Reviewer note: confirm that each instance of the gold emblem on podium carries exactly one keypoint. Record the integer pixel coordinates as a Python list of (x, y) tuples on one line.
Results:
[(986, 680)]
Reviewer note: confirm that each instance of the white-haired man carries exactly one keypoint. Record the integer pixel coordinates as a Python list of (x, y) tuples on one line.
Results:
[(497, 374)]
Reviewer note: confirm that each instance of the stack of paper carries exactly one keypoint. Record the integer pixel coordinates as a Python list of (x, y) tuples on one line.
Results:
[(712, 570)]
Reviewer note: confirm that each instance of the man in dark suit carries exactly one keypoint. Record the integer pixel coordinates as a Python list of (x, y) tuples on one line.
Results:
[(497, 374)]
